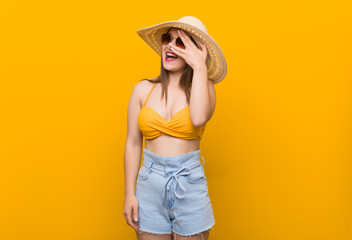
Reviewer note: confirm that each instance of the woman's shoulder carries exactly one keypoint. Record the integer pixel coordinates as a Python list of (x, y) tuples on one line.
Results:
[(145, 84)]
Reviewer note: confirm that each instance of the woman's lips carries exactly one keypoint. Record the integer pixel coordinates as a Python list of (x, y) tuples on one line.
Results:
[(171, 59)]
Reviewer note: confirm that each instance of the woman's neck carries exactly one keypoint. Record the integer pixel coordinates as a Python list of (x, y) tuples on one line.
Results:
[(174, 78)]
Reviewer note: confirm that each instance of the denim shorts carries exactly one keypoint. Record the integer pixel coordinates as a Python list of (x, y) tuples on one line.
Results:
[(172, 194)]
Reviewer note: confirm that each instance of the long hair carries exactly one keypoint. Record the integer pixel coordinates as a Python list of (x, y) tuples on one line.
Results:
[(185, 81)]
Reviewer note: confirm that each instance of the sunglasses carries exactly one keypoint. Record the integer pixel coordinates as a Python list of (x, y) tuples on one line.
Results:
[(166, 38)]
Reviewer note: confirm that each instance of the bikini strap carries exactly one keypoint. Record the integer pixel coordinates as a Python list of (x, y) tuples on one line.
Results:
[(149, 93)]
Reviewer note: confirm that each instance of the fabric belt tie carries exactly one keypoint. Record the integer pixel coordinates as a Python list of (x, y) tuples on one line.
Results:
[(181, 172)]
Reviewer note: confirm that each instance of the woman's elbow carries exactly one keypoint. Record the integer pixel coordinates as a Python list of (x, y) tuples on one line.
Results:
[(199, 122)]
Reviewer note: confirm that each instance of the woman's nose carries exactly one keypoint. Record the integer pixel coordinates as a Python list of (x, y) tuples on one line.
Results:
[(174, 40)]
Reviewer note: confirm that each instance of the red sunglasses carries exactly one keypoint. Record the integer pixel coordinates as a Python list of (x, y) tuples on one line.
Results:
[(166, 38)]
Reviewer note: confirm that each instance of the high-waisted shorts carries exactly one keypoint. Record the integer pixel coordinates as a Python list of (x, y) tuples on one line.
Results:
[(172, 194)]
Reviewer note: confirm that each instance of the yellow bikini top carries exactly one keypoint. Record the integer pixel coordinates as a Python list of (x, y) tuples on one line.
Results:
[(152, 125)]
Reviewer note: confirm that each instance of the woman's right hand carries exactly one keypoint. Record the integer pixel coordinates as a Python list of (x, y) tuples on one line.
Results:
[(130, 210)]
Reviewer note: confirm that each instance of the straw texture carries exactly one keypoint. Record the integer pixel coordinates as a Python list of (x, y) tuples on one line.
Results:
[(216, 63)]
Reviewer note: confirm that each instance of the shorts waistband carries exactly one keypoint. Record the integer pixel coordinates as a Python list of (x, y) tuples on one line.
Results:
[(171, 162), (172, 168)]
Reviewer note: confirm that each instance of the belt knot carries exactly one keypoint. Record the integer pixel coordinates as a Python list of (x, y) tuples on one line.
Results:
[(184, 171)]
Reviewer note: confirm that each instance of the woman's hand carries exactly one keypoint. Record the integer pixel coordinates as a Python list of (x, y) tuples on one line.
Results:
[(193, 56), (130, 210)]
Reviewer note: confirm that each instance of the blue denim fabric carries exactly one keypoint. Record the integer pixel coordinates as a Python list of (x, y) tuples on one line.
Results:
[(172, 194)]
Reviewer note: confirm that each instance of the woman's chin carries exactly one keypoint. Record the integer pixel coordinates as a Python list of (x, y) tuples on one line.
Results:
[(172, 68)]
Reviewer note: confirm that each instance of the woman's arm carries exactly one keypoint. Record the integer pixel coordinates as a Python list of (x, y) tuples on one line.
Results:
[(203, 97), (134, 141), (132, 156), (202, 102)]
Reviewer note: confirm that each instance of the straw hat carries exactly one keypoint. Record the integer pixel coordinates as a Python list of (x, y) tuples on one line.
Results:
[(215, 61)]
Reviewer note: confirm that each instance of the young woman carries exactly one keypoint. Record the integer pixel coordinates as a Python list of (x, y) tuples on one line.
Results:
[(171, 111)]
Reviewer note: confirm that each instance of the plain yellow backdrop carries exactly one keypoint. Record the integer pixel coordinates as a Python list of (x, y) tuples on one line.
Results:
[(277, 150)]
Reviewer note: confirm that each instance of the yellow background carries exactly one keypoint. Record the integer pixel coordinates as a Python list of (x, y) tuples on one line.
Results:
[(277, 150)]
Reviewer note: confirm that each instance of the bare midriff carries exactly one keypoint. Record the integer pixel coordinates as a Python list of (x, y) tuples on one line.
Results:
[(166, 145)]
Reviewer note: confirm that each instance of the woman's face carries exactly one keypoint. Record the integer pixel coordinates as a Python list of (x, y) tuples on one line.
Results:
[(169, 63)]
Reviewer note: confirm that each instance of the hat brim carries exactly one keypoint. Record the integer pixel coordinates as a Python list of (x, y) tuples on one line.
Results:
[(216, 62)]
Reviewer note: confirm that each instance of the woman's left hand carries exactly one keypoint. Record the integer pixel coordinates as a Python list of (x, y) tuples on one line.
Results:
[(193, 56)]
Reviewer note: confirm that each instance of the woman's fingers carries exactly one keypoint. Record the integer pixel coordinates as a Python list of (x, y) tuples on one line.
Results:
[(129, 214), (135, 215), (186, 39), (178, 51), (204, 49), (130, 221)]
